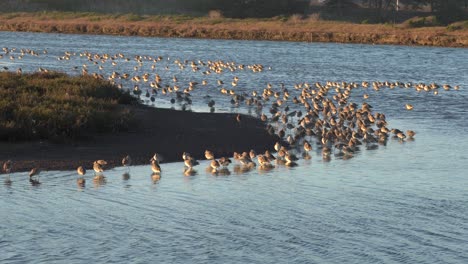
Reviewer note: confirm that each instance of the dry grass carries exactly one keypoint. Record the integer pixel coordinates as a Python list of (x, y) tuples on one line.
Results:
[(278, 28)]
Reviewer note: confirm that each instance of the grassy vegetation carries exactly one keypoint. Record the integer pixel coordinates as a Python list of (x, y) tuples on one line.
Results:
[(418, 31), (59, 107)]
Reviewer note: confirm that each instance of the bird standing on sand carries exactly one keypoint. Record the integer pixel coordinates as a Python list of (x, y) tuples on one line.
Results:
[(238, 118)]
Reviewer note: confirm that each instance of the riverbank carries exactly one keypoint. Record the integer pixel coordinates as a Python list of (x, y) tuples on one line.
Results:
[(163, 131), (279, 29)]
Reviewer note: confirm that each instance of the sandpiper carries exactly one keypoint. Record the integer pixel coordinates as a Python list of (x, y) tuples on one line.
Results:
[(7, 165), (209, 155), (127, 161), (98, 166)]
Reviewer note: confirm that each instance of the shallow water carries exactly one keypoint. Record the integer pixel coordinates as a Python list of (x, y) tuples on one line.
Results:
[(406, 202)]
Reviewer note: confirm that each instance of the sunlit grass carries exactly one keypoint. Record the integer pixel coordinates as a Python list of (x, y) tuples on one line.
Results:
[(59, 107), (289, 28)]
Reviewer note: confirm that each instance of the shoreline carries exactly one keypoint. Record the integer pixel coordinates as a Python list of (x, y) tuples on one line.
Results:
[(235, 29), (164, 131)]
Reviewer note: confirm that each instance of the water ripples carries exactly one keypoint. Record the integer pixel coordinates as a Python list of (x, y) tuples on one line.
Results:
[(401, 203)]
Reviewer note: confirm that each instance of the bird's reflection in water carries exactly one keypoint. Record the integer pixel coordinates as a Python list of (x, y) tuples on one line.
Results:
[(155, 177), (8, 182), (126, 176), (291, 164), (265, 168), (280, 162), (99, 180), (34, 182), (81, 182), (240, 169), (190, 172), (220, 172)]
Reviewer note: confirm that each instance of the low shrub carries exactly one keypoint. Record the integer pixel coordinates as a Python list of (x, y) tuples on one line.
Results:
[(415, 22), (59, 107)]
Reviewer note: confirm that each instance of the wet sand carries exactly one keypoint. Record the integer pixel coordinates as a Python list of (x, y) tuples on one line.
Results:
[(167, 132)]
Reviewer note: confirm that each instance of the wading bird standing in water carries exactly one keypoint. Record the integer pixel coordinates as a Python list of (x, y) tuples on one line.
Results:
[(81, 172), (127, 162), (7, 165)]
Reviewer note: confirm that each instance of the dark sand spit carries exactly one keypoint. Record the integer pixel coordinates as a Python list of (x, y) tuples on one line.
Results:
[(163, 131)]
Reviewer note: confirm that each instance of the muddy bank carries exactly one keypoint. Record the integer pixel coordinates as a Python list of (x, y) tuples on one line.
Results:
[(248, 29), (167, 132)]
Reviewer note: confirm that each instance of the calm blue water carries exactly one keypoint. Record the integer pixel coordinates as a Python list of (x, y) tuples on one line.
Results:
[(406, 202)]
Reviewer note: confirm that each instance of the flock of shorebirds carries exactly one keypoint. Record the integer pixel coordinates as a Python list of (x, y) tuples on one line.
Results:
[(318, 117)]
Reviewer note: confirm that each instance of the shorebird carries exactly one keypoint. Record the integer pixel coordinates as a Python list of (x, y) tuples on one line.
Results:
[(214, 165), (189, 161), (263, 161), (209, 155), (246, 160), (307, 146), (269, 156), (186, 155), (81, 171), (409, 107), (98, 166), (155, 167), (252, 154), (290, 158), (238, 118), (127, 161), (277, 146), (7, 165), (401, 136), (223, 161), (34, 173), (410, 134)]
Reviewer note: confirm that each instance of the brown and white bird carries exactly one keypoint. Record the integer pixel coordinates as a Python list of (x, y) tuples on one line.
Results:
[(81, 171), (127, 161), (7, 165), (238, 118), (214, 165), (209, 155), (34, 172), (410, 134), (223, 161), (98, 166), (155, 167)]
